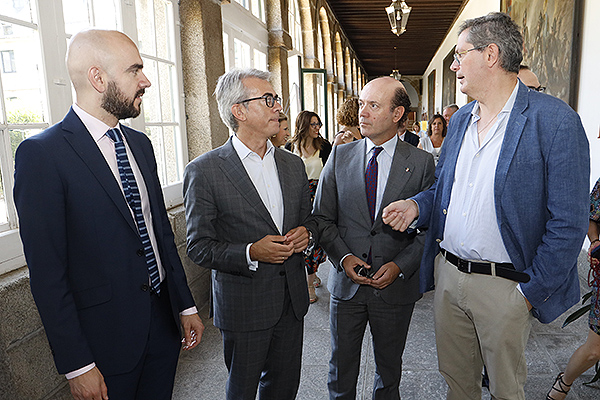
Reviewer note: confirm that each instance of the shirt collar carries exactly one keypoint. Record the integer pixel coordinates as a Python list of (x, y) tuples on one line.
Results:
[(243, 151), (95, 127), (506, 109), (389, 147)]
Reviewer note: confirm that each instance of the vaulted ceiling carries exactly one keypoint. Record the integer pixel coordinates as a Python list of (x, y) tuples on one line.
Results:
[(367, 27)]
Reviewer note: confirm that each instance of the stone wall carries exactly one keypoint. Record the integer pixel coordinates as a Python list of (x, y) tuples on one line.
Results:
[(27, 369)]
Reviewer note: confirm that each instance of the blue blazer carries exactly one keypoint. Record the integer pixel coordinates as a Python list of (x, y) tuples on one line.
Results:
[(87, 268), (540, 193)]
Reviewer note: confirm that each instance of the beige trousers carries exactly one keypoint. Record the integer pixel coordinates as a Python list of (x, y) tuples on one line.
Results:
[(480, 319)]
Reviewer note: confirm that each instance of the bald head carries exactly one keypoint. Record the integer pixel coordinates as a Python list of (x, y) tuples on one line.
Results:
[(528, 78), (94, 48)]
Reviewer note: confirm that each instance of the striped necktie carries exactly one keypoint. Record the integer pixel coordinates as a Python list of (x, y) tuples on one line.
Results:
[(132, 195), (371, 181)]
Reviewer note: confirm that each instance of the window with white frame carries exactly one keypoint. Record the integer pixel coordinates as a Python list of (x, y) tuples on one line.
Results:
[(260, 60), (241, 54), (256, 7), (245, 37), (295, 25), (36, 92)]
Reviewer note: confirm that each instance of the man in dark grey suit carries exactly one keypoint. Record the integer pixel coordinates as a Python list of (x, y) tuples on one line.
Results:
[(248, 209), (348, 204)]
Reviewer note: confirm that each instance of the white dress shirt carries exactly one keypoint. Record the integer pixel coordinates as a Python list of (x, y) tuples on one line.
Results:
[(471, 231), (97, 130), (384, 164), (265, 178)]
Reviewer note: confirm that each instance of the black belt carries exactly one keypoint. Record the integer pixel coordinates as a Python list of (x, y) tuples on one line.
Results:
[(503, 270)]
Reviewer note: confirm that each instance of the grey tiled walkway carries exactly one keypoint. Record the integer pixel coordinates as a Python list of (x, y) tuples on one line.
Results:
[(202, 373)]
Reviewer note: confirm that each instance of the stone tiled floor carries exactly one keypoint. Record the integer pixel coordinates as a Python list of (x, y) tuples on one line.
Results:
[(202, 373)]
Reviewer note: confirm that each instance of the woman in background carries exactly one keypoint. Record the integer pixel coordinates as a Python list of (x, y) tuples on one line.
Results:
[(347, 118), (436, 132), (314, 151), (283, 135)]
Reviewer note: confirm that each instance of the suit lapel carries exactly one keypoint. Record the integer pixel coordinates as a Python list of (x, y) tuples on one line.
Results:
[(285, 175), (82, 142), (400, 172), (512, 136), (233, 168)]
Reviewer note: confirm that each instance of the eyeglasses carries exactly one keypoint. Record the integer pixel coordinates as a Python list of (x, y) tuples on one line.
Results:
[(460, 55), (269, 99), (540, 88), (316, 124)]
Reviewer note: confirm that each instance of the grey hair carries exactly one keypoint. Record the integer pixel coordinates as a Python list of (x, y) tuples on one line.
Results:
[(500, 29), (230, 90), (451, 107)]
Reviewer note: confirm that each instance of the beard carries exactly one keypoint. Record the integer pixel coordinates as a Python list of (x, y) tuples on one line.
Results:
[(116, 102)]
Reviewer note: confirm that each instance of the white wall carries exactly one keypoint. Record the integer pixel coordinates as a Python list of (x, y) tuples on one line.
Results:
[(474, 8), (588, 105)]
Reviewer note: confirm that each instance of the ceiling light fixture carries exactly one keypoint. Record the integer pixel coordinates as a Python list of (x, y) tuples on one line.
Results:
[(398, 13)]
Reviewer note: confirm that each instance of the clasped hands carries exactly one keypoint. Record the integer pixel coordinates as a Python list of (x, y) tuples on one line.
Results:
[(385, 276), (275, 249)]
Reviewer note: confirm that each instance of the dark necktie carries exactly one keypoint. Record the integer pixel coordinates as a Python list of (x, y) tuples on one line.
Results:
[(132, 195), (371, 181)]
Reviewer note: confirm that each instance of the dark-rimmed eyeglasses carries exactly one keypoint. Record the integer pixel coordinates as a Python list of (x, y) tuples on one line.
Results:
[(316, 124), (460, 55), (269, 99), (540, 88)]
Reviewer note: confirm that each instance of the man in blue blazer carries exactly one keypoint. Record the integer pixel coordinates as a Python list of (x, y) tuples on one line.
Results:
[(501, 246), (90, 241)]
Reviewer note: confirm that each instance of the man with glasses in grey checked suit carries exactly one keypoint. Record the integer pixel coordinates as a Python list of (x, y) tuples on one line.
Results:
[(247, 210)]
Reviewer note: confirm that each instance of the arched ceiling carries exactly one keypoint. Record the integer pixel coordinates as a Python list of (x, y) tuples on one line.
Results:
[(366, 25)]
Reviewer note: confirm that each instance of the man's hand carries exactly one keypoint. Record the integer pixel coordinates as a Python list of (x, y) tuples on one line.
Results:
[(271, 249), (89, 386), (349, 263), (297, 237), (385, 276), (400, 214), (192, 330)]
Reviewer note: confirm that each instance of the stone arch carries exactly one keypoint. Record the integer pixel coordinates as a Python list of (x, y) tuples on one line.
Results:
[(348, 70), (308, 33), (326, 41)]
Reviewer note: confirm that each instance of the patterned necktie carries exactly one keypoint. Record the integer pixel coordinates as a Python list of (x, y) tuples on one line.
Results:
[(132, 195), (371, 181)]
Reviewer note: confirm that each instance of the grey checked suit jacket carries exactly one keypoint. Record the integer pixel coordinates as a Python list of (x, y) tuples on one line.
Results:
[(224, 212), (342, 212)]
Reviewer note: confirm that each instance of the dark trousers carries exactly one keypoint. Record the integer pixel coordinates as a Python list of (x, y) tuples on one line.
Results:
[(269, 359), (154, 376), (389, 327)]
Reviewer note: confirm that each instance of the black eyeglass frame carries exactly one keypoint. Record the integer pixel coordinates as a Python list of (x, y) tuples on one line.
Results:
[(267, 97), (316, 124), (540, 88)]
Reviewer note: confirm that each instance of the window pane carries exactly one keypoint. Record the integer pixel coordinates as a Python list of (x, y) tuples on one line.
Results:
[(144, 10), (260, 60), (164, 17), (3, 211), (83, 14), (23, 89), (241, 52), (165, 142), (151, 99), (165, 73), (20, 9)]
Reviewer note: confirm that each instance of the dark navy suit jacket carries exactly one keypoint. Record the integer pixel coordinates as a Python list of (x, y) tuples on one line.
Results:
[(541, 198), (87, 268)]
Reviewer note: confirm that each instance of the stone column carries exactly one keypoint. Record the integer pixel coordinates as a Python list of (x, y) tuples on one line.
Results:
[(203, 63), (280, 42)]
